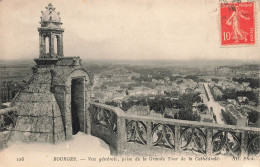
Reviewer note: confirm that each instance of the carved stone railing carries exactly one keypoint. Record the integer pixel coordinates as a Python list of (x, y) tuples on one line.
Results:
[(141, 134), (104, 124), (7, 123)]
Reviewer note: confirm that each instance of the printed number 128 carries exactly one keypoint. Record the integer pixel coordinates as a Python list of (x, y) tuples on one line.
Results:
[(20, 159)]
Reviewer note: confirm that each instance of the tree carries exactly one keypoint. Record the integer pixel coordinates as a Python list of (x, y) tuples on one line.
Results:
[(253, 116), (202, 107), (229, 94), (103, 87), (186, 114), (253, 83), (130, 87), (215, 80), (112, 103), (187, 100)]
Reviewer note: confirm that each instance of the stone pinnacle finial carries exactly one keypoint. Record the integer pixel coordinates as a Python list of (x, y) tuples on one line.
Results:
[(50, 5), (50, 17)]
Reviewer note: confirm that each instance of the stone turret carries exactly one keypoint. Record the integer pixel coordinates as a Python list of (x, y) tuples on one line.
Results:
[(53, 105), (51, 36)]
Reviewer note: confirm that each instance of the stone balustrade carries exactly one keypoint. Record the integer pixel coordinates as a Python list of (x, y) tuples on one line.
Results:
[(142, 135), (104, 121), (148, 135)]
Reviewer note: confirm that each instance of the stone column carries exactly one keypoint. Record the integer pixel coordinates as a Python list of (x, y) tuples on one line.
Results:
[(244, 145), (121, 139), (52, 45), (149, 135), (209, 145), (58, 45), (177, 138), (87, 107), (42, 45), (61, 46)]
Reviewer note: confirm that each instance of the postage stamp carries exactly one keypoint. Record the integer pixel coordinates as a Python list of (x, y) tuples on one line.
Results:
[(237, 21)]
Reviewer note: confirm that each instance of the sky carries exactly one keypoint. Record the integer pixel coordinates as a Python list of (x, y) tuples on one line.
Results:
[(122, 29)]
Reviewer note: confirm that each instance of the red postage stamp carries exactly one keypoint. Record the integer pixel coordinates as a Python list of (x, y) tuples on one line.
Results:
[(237, 23)]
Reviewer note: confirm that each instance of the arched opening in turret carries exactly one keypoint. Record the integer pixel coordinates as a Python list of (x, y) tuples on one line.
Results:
[(55, 45), (76, 97), (77, 104), (47, 45), (58, 45)]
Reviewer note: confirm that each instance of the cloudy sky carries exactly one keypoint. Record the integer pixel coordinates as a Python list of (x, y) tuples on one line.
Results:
[(122, 29)]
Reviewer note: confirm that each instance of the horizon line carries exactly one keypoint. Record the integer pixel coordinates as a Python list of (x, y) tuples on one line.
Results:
[(122, 59)]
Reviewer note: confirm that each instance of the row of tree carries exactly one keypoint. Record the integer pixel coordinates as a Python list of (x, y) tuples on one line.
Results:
[(233, 94), (253, 82), (159, 103)]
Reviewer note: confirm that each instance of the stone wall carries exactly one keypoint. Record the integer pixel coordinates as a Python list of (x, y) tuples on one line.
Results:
[(44, 105), (38, 110)]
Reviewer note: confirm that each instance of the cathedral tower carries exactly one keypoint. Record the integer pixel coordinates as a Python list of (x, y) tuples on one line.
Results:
[(53, 105)]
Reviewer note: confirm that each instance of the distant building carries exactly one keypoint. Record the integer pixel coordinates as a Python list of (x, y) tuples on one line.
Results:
[(142, 91), (188, 90), (167, 78), (161, 81), (8, 90), (139, 110), (242, 99), (160, 92), (217, 92), (198, 90), (233, 116), (246, 110), (154, 114), (232, 101), (143, 111), (245, 84), (206, 118), (155, 81), (171, 112)]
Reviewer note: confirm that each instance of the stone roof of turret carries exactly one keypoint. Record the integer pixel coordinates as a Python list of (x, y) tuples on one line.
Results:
[(50, 17)]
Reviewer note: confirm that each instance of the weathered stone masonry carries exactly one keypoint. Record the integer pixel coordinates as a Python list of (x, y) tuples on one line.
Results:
[(44, 112)]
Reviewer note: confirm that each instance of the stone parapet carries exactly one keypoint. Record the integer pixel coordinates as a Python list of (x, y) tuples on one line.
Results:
[(148, 135), (69, 61)]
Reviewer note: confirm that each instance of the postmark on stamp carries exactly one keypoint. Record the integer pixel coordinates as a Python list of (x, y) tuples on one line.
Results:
[(237, 21)]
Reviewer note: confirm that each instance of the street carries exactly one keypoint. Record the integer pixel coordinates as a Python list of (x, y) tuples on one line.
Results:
[(215, 105)]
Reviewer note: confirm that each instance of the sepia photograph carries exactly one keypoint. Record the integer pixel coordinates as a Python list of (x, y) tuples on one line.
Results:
[(129, 83)]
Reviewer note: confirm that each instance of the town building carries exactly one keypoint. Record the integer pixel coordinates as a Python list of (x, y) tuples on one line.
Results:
[(139, 110), (233, 116)]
